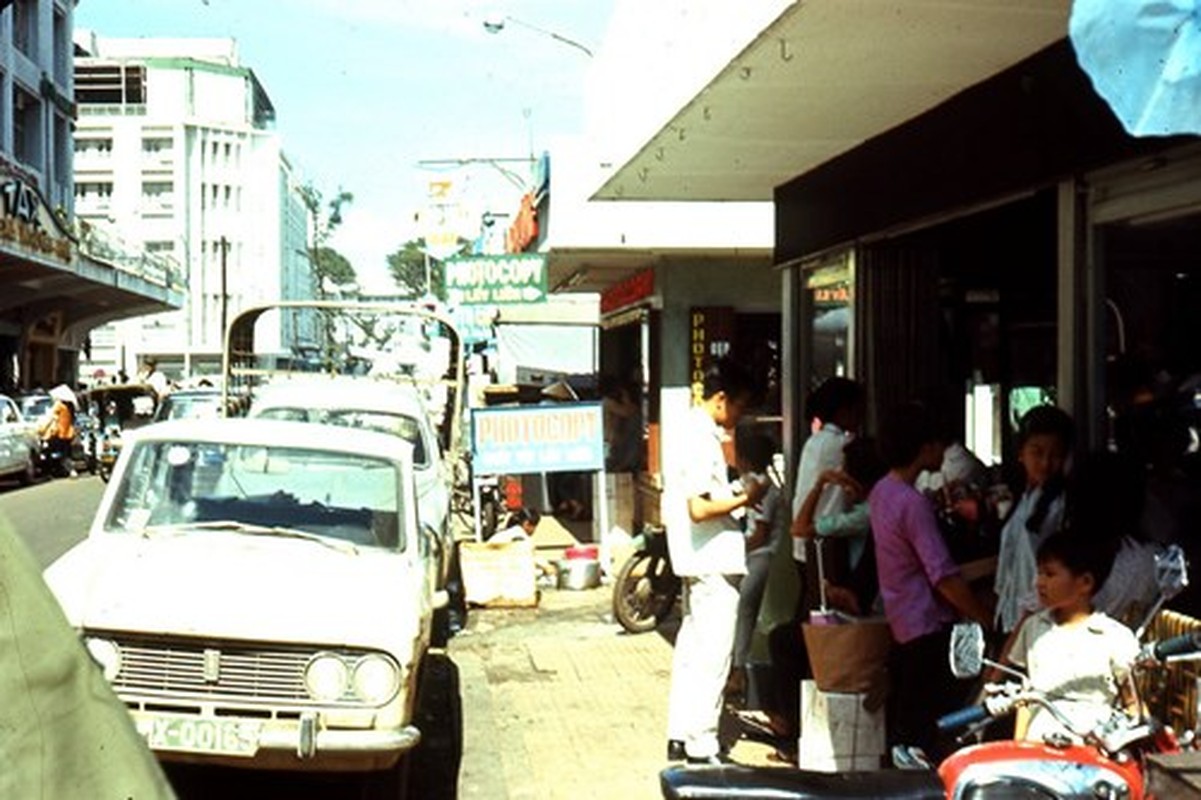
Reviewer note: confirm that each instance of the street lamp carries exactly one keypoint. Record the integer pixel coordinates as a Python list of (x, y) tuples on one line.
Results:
[(496, 24)]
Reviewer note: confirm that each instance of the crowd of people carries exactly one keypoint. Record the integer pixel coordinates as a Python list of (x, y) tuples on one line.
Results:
[(877, 526)]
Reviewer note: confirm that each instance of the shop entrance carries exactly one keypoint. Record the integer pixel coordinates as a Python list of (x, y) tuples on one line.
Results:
[(962, 315)]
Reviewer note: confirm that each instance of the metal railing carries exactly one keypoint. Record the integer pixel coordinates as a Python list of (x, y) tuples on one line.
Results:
[(99, 242)]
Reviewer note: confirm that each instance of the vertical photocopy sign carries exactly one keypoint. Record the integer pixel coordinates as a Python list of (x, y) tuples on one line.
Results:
[(495, 280), (711, 335)]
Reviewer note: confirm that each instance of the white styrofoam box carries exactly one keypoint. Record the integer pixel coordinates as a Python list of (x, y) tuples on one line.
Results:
[(837, 733)]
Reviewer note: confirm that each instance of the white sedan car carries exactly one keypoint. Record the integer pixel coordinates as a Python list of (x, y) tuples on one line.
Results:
[(383, 405), (18, 442), (260, 594)]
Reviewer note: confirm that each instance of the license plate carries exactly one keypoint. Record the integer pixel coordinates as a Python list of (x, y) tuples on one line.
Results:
[(227, 737)]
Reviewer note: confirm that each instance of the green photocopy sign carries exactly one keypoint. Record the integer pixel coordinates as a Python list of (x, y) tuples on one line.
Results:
[(495, 280)]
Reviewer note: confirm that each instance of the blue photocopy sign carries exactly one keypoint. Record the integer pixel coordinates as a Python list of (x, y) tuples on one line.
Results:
[(516, 440)]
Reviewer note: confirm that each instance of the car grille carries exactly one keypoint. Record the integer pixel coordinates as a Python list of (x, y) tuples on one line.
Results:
[(230, 671)]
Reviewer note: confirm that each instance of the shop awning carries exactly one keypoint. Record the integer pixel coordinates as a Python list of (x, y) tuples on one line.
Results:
[(823, 78)]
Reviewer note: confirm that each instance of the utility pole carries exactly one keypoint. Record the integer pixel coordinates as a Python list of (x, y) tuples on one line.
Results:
[(224, 288)]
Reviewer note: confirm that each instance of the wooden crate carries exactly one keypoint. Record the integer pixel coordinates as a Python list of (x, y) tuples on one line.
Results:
[(499, 575)]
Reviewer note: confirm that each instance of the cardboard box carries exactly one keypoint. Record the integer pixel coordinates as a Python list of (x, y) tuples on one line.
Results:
[(837, 733), (499, 575)]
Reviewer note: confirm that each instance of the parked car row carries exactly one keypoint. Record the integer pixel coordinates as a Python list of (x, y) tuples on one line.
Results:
[(18, 442)]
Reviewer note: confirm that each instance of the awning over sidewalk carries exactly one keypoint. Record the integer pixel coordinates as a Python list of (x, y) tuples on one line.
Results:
[(823, 78)]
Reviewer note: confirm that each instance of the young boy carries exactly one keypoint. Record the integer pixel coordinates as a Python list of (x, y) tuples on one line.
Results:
[(1078, 656)]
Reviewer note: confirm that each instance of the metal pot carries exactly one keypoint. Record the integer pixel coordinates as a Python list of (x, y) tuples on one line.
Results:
[(578, 573)]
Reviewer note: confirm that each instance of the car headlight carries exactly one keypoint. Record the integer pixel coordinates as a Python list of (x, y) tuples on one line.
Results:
[(326, 677), (376, 679), (106, 654)]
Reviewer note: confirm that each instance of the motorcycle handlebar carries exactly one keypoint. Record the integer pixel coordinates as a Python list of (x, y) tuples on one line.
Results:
[(962, 718), (1182, 645)]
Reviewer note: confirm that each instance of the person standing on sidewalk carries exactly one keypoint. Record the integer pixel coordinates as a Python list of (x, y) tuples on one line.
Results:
[(709, 555)]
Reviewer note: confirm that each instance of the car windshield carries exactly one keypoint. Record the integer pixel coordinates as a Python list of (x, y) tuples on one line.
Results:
[(196, 406), (36, 406), (401, 425), (203, 486)]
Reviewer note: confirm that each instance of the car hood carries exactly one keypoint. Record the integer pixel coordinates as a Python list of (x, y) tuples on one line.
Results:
[(225, 584)]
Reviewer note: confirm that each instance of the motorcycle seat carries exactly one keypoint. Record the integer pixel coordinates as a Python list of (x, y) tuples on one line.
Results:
[(735, 782)]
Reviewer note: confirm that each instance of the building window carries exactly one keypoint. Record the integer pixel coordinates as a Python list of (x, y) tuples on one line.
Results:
[(63, 162), (157, 144), (25, 26), (94, 189), (160, 247), (157, 188), (62, 49), (112, 84), (87, 147), (27, 127)]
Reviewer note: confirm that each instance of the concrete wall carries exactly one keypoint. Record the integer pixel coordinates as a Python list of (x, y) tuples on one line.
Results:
[(747, 286)]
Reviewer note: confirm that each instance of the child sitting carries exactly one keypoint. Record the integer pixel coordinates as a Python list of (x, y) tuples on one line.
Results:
[(1078, 657)]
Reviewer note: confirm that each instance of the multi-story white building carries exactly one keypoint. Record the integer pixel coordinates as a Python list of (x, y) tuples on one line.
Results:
[(175, 146)]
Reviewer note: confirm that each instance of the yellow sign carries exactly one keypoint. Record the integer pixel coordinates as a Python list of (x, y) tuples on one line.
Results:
[(28, 223)]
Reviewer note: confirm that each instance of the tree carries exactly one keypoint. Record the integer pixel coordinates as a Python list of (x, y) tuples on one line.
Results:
[(408, 268), (334, 266), (324, 219)]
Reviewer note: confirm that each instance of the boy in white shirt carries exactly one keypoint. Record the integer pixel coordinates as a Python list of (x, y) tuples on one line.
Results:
[(1078, 657)]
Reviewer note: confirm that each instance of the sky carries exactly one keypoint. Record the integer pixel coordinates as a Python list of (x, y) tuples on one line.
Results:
[(364, 90)]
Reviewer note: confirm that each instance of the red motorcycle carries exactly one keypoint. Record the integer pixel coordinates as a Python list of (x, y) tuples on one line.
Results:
[(1107, 762)]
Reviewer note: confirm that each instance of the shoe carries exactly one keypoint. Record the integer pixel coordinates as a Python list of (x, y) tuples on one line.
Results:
[(715, 760), (675, 750)]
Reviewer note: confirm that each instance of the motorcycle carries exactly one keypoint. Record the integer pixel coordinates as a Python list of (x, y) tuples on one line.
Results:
[(1106, 762), (646, 588)]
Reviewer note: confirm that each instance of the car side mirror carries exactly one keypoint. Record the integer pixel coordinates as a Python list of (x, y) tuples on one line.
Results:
[(967, 650)]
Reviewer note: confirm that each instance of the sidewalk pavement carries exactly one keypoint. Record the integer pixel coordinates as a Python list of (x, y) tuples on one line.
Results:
[(560, 702)]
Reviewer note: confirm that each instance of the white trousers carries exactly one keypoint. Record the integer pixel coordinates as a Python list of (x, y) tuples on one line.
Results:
[(701, 662)]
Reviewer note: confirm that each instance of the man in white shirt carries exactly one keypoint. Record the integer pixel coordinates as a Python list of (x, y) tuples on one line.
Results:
[(709, 554)]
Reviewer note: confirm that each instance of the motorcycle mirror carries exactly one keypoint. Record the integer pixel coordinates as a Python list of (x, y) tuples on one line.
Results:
[(1171, 572), (967, 650)]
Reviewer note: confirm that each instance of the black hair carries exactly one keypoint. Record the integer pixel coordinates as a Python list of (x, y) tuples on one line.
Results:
[(1046, 420), (1079, 556), (833, 395), (904, 431), (757, 449), (729, 376), (861, 460)]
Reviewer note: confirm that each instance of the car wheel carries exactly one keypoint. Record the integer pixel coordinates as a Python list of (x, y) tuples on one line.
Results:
[(439, 717), (30, 473), (388, 784)]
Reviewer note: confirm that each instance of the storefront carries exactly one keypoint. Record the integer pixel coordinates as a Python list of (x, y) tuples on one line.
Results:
[(1003, 248), (661, 327)]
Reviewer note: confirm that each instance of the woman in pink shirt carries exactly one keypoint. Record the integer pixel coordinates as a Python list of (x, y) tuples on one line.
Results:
[(920, 584)]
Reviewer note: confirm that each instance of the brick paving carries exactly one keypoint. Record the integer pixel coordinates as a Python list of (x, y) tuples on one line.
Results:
[(559, 702)]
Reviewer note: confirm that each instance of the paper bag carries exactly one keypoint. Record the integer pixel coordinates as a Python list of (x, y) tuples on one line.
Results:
[(848, 657)]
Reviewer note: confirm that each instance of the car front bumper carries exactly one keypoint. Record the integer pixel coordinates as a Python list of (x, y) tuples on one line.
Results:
[(301, 743)]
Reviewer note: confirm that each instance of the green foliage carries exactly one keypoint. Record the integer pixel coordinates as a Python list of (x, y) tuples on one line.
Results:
[(324, 219), (407, 267), (331, 265), (408, 264)]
